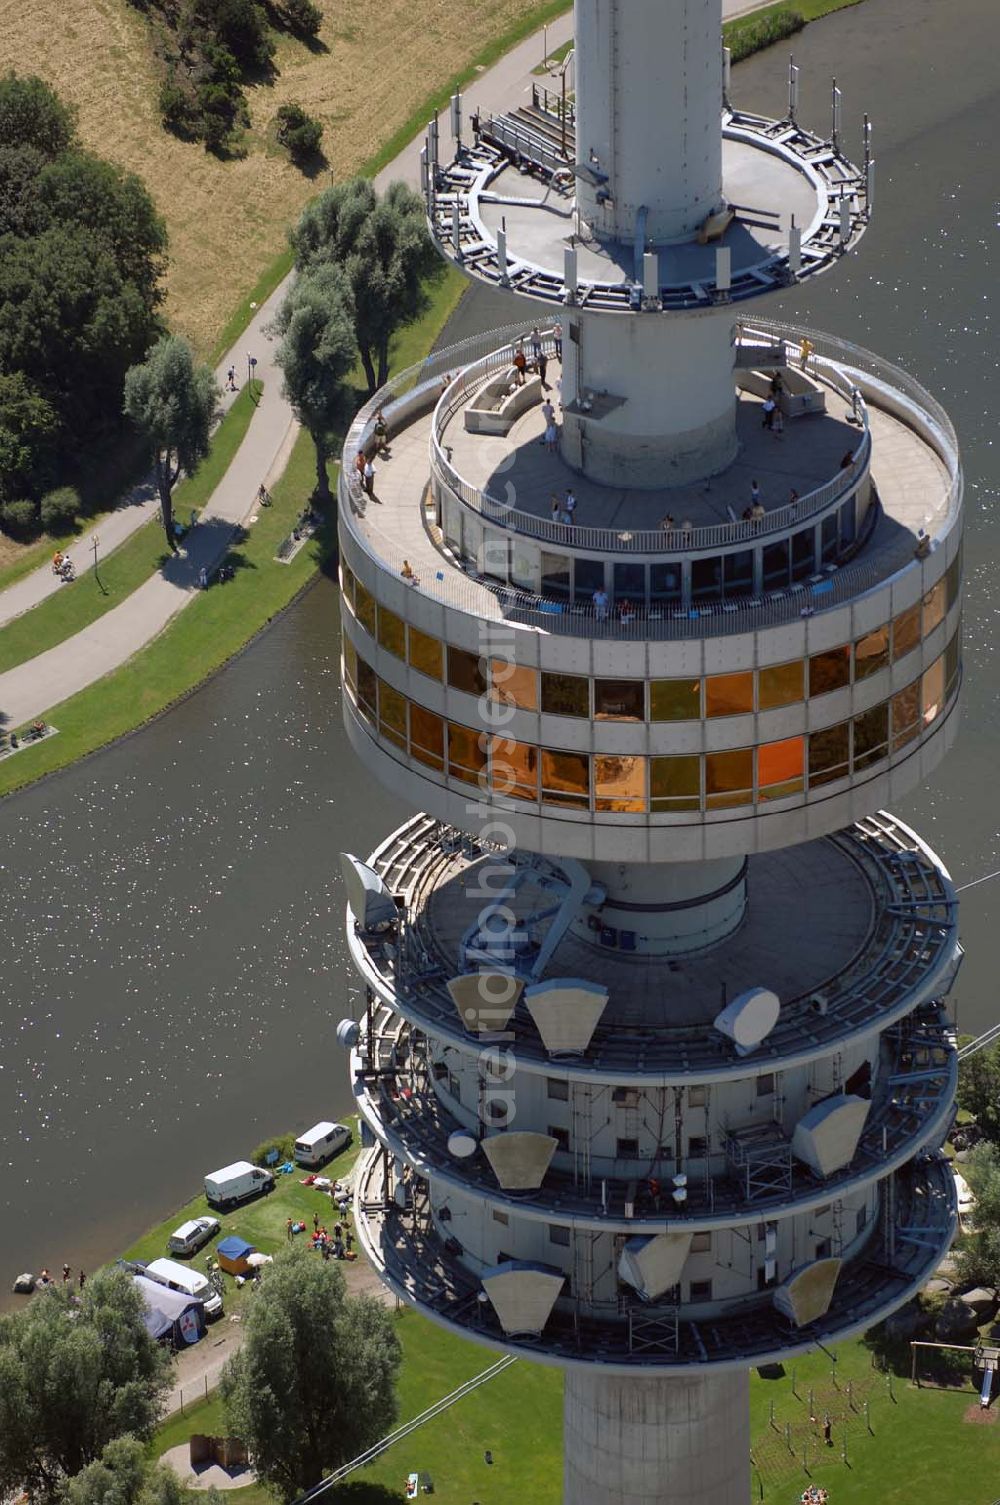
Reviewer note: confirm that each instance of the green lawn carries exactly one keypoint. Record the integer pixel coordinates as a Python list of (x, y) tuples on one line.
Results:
[(219, 621), (75, 606), (919, 1448)]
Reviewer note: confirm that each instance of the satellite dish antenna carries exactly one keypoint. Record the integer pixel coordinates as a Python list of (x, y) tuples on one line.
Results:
[(348, 1033), (372, 904), (749, 1019), (462, 1144)]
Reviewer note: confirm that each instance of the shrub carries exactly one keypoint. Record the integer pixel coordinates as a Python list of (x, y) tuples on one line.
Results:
[(177, 109), (283, 1143), (298, 132), (31, 114), (60, 509), (303, 16), (20, 518), (753, 33), (241, 26)]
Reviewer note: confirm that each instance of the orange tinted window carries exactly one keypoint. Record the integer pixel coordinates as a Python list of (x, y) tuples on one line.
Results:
[(729, 694), (619, 783), (906, 631), (780, 767), (513, 684), (729, 778)]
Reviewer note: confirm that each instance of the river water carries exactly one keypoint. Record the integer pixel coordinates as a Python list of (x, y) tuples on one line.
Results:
[(171, 958)]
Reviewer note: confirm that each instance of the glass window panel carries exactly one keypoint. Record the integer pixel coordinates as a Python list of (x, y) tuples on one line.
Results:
[(871, 736), (729, 694), (954, 579), (426, 653), (932, 691), (906, 631), (366, 690), (513, 684), (565, 694), (619, 783), (905, 715), (392, 714), (350, 663), (737, 573), (729, 778), (803, 553), (466, 753), (426, 736), (781, 684), (364, 608), (557, 576), (706, 579), (630, 583), (828, 538), (776, 563), (674, 699), (780, 767), (496, 555), (848, 521), (565, 778), (674, 783), (348, 582), (451, 519), (871, 653), (392, 632), (665, 581), (465, 671), (952, 659), (830, 671), (472, 535), (619, 700), (829, 752), (588, 576), (514, 769), (524, 566), (934, 606)]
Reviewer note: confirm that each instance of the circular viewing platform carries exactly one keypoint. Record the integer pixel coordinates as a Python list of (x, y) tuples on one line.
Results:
[(876, 936), (522, 176)]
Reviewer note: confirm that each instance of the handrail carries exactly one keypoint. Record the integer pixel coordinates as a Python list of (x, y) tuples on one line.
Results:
[(643, 541)]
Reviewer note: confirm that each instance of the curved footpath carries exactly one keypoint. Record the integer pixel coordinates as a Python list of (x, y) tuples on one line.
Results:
[(35, 686)]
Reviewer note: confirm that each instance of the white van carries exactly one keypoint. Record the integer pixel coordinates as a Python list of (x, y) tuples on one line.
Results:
[(320, 1142), (237, 1183), (167, 1272)]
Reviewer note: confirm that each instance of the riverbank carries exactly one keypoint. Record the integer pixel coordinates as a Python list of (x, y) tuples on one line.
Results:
[(218, 623)]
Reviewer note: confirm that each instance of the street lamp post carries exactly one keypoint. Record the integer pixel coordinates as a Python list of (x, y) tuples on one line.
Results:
[(251, 368)]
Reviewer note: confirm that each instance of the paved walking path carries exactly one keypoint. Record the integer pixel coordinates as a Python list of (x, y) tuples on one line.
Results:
[(43, 682)]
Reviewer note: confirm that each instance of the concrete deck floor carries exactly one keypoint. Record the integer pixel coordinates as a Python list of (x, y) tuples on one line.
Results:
[(809, 913)]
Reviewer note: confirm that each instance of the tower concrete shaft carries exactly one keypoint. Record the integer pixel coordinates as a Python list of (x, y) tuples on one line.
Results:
[(649, 117)]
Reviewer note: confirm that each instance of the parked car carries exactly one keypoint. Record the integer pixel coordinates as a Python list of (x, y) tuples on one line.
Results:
[(237, 1183), (186, 1282), (189, 1237), (320, 1142)]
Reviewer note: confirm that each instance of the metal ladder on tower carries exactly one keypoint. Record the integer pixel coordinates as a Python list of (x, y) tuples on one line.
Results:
[(582, 1135)]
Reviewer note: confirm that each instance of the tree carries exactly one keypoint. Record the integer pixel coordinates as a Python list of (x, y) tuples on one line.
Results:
[(75, 1372), (979, 1251), (27, 428), (316, 352), (32, 114), (125, 1475), (172, 403), (386, 252), (116, 208), (314, 1383), (979, 1089), (298, 132)]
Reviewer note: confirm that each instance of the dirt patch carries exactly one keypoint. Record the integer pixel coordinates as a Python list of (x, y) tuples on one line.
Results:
[(977, 1417), (228, 219)]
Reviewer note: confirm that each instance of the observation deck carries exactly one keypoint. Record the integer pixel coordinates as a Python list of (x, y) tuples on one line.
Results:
[(476, 542), (875, 936), (916, 1226)]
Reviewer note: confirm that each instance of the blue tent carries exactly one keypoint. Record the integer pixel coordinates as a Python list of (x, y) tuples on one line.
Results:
[(232, 1254)]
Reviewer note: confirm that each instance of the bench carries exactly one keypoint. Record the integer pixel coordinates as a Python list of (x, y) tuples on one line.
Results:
[(495, 408), (800, 395)]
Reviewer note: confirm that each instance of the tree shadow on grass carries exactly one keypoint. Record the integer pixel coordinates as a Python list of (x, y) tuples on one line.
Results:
[(361, 1493)]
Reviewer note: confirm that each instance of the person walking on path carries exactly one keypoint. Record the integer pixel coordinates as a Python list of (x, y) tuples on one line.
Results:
[(769, 410), (231, 379), (369, 478), (551, 439), (557, 340), (520, 365), (569, 506), (83, 1280), (543, 366), (536, 345)]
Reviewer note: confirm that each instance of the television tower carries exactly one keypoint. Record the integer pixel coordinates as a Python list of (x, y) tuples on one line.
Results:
[(653, 608)]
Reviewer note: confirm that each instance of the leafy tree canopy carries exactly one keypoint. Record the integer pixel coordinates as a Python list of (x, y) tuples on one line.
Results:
[(385, 250), (172, 403), (317, 351), (125, 1475), (314, 1383), (979, 1089), (32, 114), (75, 1372), (979, 1251), (27, 423)]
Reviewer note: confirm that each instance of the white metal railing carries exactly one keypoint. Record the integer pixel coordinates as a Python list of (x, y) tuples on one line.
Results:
[(772, 343)]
